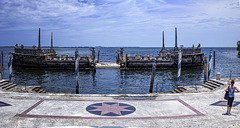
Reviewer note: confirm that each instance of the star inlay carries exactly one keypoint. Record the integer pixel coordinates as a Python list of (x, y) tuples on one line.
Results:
[(110, 109)]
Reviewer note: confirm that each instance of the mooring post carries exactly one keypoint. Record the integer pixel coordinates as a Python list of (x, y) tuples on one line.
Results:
[(10, 66), (213, 58), (179, 67), (98, 55), (205, 68), (152, 77), (209, 64), (93, 57), (156, 87), (2, 61), (25, 85), (126, 61), (0, 69), (121, 53), (118, 59), (77, 71), (231, 75)]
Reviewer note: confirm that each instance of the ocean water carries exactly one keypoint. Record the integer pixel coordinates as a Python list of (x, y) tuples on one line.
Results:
[(115, 81)]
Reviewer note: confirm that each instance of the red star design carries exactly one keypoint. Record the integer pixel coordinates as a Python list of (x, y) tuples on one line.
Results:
[(114, 108)]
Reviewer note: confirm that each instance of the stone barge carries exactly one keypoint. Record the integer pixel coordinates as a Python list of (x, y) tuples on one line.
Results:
[(167, 58), (47, 58)]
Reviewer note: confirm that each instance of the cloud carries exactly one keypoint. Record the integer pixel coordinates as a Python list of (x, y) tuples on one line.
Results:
[(122, 19)]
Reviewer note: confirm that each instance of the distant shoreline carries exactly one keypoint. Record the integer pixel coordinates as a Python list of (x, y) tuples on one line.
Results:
[(106, 47)]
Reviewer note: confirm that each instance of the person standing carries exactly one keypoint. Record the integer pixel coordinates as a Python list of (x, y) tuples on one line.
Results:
[(231, 88)]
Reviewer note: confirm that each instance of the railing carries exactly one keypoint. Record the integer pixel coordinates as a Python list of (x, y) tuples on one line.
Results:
[(233, 74)]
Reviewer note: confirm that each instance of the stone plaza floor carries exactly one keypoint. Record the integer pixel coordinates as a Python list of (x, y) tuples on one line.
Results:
[(205, 109)]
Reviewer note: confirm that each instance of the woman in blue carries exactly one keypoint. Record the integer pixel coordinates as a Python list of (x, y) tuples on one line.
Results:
[(231, 88)]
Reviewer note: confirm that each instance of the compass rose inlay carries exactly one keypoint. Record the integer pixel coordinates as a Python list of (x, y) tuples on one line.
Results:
[(110, 109)]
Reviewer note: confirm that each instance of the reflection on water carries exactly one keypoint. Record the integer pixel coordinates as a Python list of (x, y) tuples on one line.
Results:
[(115, 81), (103, 81)]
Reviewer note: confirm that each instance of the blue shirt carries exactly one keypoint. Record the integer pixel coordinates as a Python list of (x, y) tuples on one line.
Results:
[(231, 91)]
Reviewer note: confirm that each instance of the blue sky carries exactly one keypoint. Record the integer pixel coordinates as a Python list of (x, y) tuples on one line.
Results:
[(119, 23)]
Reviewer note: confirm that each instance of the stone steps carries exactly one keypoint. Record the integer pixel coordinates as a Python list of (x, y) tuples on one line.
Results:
[(3, 84), (212, 84), (10, 86), (179, 90), (6, 85), (39, 90)]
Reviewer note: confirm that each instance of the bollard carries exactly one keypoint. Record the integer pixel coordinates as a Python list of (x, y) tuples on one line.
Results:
[(205, 69), (10, 66), (209, 64), (77, 70), (152, 77), (218, 76), (179, 67)]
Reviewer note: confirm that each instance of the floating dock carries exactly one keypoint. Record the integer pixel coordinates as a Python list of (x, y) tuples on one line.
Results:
[(109, 65)]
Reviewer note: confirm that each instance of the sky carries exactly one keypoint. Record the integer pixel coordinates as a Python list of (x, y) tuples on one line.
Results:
[(120, 23)]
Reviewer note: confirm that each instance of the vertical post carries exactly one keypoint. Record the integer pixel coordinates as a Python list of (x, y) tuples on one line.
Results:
[(209, 64), (94, 61), (39, 39), (213, 58), (175, 48), (77, 71), (152, 77), (126, 61), (0, 69), (175, 37), (179, 67), (25, 85), (93, 58), (118, 59), (2, 61), (230, 74), (51, 40), (163, 45), (205, 68), (156, 87), (98, 55), (10, 66), (121, 53)]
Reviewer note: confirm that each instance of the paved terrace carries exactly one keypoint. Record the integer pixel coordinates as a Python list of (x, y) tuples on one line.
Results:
[(118, 111)]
